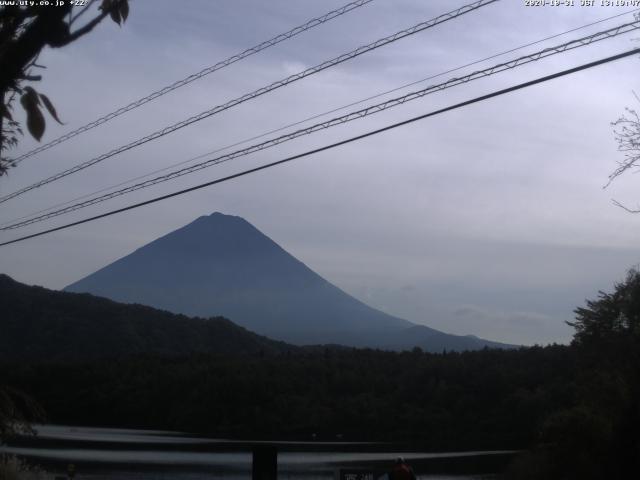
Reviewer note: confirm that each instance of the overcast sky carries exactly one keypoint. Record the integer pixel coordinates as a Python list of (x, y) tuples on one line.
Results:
[(490, 220)]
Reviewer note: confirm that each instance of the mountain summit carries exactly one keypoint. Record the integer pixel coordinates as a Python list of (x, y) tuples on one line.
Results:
[(222, 265)]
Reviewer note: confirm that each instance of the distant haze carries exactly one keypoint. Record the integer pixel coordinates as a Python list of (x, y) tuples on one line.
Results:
[(222, 265), (490, 220)]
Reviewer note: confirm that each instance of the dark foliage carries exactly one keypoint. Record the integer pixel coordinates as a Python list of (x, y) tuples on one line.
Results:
[(597, 436), (483, 399), (576, 408), (17, 411), (38, 324), (26, 28)]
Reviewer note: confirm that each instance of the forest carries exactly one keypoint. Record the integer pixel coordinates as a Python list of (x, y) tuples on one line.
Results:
[(574, 409)]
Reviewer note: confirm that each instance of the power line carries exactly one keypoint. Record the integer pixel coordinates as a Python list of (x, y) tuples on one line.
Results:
[(192, 78), (319, 115), (343, 119), (261, 91), (337, 144), (370, 110)]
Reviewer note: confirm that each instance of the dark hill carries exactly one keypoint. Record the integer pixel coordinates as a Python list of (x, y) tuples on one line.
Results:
[(39, 324), (222, 265)]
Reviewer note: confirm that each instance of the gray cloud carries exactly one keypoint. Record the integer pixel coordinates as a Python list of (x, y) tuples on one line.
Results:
[(498, 206)]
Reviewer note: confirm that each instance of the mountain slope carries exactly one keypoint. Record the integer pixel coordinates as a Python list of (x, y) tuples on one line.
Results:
[(222, 265), (39, 324)]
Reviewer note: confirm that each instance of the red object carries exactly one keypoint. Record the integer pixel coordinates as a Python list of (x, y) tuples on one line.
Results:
[(402, 471)]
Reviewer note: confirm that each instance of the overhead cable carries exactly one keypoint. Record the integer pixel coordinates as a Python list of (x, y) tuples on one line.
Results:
[(192, 78), (334, 145), (523, 60), (261, 91), (314, 117)]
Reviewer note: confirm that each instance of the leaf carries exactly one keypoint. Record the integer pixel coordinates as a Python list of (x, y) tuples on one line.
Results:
[(50, 107), (35, 119), (113, 7), (31, 94), (35, 123), (115, 15), (5, 112), (124, 10)]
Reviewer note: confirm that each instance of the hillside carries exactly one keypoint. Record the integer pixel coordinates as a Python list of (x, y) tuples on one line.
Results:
[(41, 324), (222, 265)]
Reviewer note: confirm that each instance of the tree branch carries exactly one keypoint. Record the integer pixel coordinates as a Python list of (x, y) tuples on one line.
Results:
[(44, 29), (81, 12), (618, 204), (84, 30)]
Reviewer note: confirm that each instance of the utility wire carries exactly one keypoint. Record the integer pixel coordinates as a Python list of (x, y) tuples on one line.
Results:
[(261, 91), (337, 144), (191, 78), (370, 110), (314, 117)]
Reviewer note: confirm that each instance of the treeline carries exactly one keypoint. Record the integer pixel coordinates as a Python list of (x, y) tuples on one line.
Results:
[(489, 399), (595, 434), (41, 324), (576, 409)]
